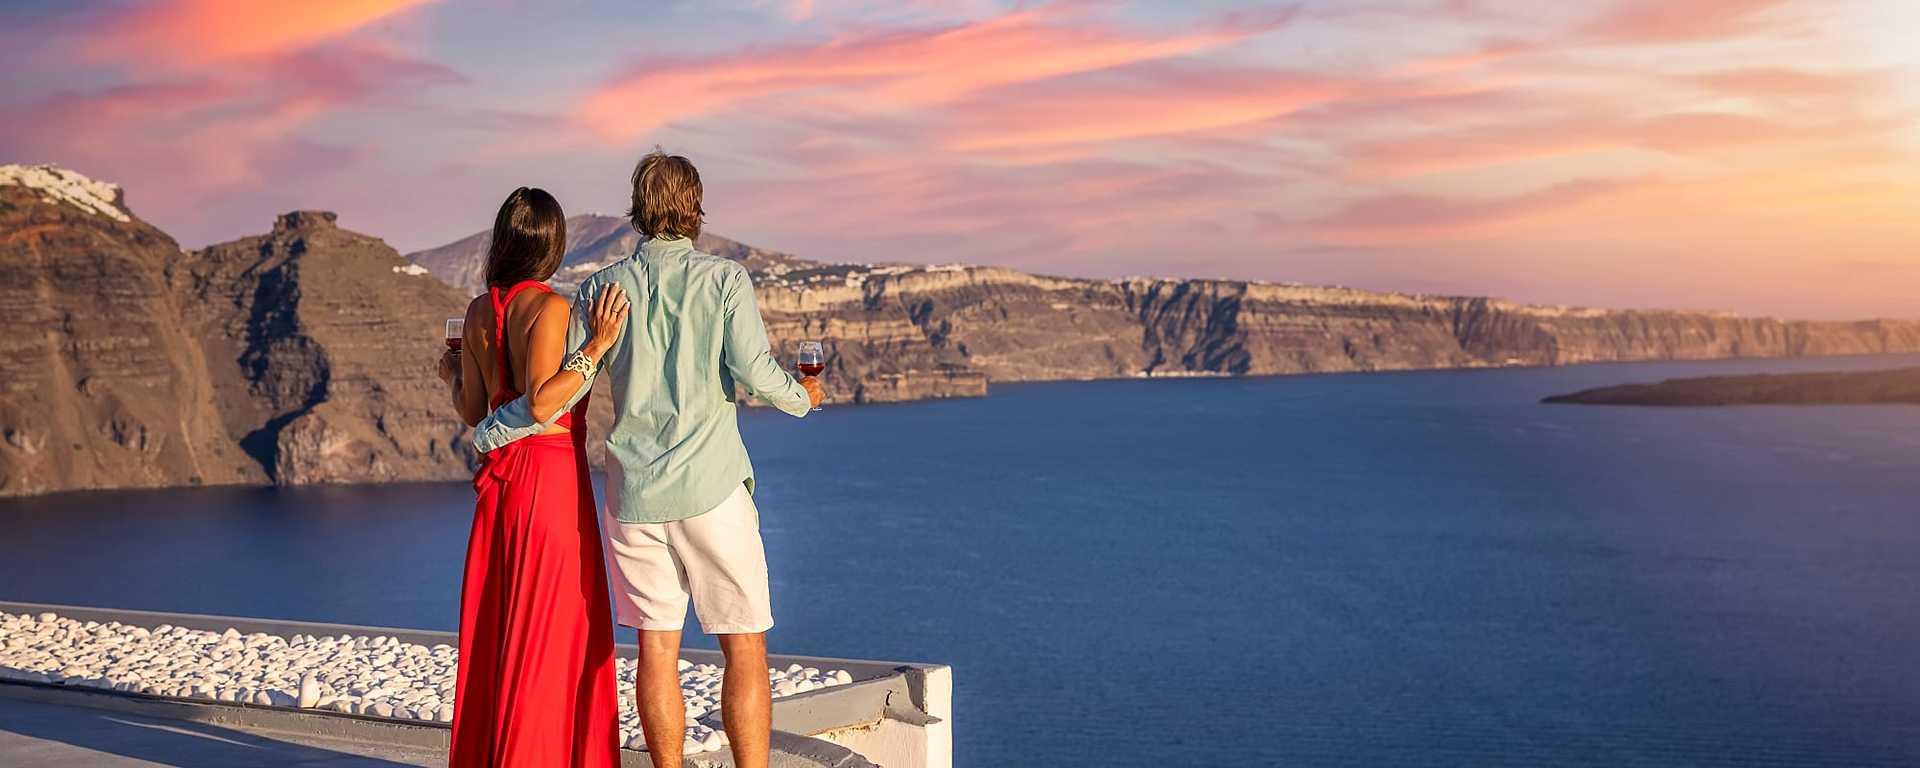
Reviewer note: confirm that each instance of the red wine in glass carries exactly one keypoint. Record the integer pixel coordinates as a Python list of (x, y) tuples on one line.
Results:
[(456, 332), (809, 359)]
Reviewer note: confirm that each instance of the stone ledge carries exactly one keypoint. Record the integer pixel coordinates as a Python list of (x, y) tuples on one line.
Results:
[(881, 690)]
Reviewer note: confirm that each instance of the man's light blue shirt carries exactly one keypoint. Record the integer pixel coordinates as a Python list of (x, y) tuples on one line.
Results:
[(694, 330)]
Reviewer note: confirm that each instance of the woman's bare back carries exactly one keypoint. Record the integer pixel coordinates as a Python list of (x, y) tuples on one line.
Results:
[(536, 335)]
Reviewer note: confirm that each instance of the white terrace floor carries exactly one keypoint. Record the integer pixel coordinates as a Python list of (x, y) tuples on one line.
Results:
[(56, 736)]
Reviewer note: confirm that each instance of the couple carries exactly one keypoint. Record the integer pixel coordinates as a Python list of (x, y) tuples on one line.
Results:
[(675, 329)]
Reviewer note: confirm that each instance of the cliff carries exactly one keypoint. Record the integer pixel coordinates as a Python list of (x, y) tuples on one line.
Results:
[(1016, 327), (304, 355), (101, 388), (878, 355), (322, 344), (1900, 386), (901, 332), (911, 333)]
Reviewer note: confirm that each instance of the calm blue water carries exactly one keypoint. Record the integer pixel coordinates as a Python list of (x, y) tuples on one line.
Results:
[(1377, 570)]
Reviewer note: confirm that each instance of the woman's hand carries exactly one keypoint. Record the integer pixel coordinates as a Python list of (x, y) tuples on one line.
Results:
[(450, 367), (607, 319)]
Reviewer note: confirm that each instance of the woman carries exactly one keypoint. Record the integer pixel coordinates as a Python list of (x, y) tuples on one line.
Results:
[(536, 676)]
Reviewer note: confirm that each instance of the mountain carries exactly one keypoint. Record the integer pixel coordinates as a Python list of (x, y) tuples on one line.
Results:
[(299, 356), (1010, 326), (900, 332), (323, 342), (593, 241), (911, 333), (879, 356), (102, 388), (305, 354), (1898, 386)]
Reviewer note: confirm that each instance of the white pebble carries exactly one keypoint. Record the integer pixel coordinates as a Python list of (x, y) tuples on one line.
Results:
[(309, 691), (354, 674)]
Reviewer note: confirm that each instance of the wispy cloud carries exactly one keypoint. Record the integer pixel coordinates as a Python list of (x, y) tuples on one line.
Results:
[(1417, 143), (1402, 217), (1643, 22), (200, 32), (877, 71), (199, 128)]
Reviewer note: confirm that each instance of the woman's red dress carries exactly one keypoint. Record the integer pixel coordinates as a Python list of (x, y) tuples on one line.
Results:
[(536, 676)]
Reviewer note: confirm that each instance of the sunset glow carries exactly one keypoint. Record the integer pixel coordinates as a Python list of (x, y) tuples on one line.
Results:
[(1760, 156)]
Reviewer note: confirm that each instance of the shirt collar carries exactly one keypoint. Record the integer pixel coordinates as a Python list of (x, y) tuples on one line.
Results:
[(666, 246)]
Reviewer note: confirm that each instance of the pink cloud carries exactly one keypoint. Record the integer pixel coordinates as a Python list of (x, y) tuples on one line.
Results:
[(195, 32), (356, 72), (1662, 21), (178, 145), (173, 146), (1052, 136), (1841, 88), (1594, 125), (1405, 217), (898, 204), (1150, 104), (895, 69)]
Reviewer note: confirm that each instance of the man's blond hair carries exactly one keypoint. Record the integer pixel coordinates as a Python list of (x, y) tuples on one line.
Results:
[(666, 197)]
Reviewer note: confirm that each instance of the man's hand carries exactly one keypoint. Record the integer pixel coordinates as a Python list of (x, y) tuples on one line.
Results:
[(449, 366), (814, 391)]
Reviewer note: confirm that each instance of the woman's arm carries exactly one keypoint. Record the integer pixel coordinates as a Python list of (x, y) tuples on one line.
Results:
[(462, 372), (549, 390)]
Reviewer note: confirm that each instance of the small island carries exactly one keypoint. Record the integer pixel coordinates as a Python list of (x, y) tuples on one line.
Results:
[(1900, 385)]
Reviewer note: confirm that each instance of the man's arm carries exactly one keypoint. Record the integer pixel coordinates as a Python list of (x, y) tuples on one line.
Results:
[(515, 420), (747, 354)]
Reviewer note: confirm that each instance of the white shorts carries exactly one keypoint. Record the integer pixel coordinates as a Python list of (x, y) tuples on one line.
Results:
[(715, 558)]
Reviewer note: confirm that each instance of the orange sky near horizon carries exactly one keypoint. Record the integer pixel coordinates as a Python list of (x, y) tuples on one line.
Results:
[(1758, 156)]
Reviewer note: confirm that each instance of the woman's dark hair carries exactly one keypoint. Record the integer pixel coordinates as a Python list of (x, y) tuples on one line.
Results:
[(529, 238)]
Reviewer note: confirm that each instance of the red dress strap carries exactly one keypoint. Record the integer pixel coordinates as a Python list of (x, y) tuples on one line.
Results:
[(503, 391)]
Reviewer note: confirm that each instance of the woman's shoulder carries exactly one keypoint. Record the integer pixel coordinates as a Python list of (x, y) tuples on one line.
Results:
[(478, 308), (552, 301), (546, 308)]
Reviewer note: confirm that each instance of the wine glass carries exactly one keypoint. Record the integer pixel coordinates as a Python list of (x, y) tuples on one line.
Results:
[(810, 360), (456, 331)]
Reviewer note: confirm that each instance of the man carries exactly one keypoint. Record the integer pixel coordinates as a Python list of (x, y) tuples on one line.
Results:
[(679, 518)]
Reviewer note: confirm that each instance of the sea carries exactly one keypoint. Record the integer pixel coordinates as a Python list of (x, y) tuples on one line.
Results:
[(1391, 569)]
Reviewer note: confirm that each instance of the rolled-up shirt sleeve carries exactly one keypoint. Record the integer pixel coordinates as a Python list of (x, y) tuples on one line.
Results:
[(747, 353)]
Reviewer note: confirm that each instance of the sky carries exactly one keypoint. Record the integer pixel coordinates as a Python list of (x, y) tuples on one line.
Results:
[(1757, 156)]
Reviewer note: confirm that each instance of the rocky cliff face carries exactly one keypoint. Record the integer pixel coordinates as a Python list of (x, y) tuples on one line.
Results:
[(301, 356), (305, 355), (898, 332), (330, 341), (99, 385), (880, 355), (1011, 326)]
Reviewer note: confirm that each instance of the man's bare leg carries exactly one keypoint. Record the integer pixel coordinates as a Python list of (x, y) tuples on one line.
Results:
[(746, 698), (656, 690)]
